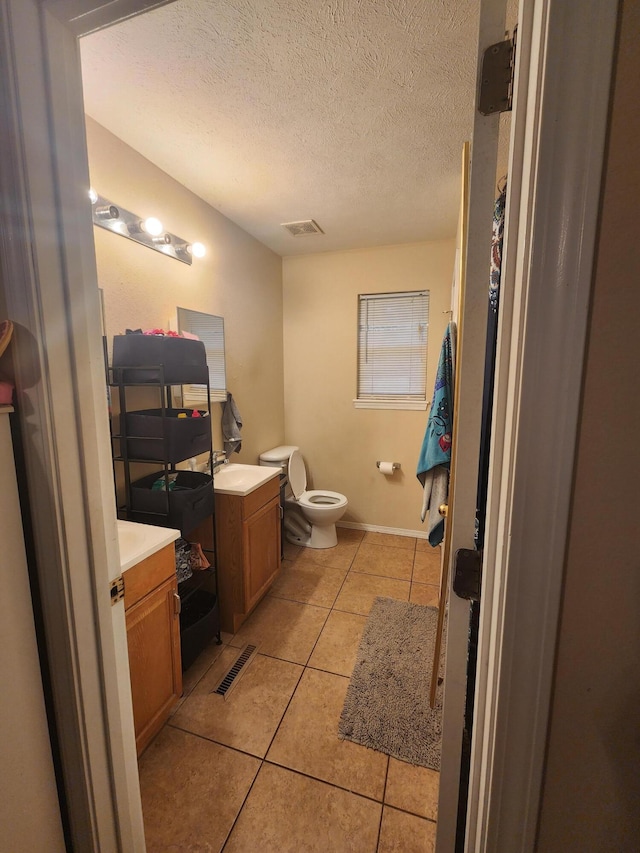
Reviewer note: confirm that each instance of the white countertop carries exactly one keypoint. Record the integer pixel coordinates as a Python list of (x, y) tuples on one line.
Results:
[(139, 541), (237, 479)]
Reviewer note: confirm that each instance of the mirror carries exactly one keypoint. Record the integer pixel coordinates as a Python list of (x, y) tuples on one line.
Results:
[(210, 330)]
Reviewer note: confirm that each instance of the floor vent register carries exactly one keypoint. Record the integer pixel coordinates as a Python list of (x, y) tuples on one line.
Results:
[(232, 676)]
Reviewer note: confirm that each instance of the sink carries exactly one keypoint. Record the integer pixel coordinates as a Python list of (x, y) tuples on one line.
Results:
[(233, 478), (139, 541)]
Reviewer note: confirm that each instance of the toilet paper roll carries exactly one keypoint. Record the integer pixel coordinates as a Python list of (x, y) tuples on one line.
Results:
[(386, 468)]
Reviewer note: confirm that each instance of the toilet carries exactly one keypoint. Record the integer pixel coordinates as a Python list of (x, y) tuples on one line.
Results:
[(310, 516)]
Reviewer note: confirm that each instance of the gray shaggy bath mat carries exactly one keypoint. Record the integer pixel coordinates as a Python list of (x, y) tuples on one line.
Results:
[(387, 702)]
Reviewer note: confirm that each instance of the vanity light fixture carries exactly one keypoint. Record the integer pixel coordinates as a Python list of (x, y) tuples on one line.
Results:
[(149, 232)]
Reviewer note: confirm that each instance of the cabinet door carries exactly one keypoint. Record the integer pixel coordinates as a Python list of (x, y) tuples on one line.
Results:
[(261, 551), (153, 635)]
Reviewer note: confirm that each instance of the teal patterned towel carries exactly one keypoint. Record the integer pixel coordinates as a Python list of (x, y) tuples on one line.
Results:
[(435, 454)]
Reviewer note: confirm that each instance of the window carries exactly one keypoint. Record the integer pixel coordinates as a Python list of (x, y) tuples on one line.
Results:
[(392, 350), (210, 330)]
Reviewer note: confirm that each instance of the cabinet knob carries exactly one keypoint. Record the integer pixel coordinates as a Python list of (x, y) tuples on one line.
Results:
[(177, 601)]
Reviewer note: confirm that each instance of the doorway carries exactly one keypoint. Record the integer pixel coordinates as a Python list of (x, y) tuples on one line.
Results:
[(107, 151)]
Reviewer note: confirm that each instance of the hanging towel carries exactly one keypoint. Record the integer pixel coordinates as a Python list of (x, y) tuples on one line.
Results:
[(435, 454), (231, 426)]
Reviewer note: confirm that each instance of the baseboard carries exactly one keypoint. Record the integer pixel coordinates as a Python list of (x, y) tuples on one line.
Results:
[(376, 528)]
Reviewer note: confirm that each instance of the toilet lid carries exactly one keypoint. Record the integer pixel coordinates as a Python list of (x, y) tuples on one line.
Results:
[(297, 474)]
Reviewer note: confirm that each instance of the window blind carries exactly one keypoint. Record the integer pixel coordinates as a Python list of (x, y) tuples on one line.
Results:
[(210, 330), (392, 346)]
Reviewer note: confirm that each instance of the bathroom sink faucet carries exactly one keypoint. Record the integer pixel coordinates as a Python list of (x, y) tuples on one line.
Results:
[(219, 457)]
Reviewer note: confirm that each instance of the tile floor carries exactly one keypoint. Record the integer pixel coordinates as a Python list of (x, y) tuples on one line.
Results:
[(264, 769)]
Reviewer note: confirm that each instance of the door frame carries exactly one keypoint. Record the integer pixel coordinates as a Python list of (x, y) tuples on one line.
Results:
[(50, 281), (48, 272), (557, 150)]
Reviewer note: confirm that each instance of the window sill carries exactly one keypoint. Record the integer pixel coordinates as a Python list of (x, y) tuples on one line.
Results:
[(407, 405)]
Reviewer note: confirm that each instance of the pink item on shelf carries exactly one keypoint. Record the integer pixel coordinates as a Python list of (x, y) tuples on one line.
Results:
[(161, 333)]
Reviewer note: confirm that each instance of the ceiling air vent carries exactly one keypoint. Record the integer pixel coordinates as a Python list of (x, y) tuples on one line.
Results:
[(306, 226)]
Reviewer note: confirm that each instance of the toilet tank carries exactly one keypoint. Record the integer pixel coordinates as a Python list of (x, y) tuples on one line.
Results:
[(278, 457)]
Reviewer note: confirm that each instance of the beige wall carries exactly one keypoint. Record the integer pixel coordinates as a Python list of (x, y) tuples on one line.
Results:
[(341, 444), (591, 796), (239, 279)]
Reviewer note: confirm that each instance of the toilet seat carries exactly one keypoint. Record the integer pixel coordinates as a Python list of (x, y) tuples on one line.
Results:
[(314, 498), (320, 498), (297, 474)]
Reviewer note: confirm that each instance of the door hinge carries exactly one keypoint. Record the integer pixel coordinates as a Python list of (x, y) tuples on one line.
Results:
[(116, 590), (467, 578), (497, 76)]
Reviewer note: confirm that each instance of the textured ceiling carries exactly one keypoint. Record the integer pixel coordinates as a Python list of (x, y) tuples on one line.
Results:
[(349, 112)]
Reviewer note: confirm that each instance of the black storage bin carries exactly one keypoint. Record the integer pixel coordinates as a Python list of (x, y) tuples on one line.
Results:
[(199, 624), (184, 361), (169, 438), (184, 507)]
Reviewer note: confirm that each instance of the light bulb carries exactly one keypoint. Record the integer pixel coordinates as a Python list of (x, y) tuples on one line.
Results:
[(197, 250), (93, 195), (153, 226)]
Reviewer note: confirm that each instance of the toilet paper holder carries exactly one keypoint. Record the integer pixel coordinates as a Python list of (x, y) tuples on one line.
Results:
[(395, 465)]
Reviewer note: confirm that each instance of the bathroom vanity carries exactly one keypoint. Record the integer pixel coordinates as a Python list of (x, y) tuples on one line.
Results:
[(152, 616), (247, 516)]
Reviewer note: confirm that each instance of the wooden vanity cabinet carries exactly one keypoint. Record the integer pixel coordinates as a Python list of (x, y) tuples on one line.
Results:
[(248, 541), (152, 608)]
